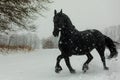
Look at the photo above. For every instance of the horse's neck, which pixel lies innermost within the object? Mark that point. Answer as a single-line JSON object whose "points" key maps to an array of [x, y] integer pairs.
{"points": [[68, 31]]}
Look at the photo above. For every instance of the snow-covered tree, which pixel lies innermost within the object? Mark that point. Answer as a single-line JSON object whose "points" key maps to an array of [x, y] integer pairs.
{"points": [[24, 40], [20, 12]]}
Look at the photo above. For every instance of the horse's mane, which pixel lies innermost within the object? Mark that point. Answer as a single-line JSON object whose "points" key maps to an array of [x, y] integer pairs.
{"points": [[69, 22]]}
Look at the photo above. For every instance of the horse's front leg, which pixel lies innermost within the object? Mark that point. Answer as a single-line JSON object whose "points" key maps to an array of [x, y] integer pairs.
{"points": [[67, 61], [58, 68]]}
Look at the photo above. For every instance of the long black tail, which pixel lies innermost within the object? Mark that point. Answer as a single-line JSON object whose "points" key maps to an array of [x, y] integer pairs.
{"points": [[111, 46]]}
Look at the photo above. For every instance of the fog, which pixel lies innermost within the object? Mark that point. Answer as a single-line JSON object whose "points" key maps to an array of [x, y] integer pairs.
{"points": [[84, 14]]}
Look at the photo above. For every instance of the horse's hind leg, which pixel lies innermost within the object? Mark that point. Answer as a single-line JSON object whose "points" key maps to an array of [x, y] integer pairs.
{"points": [[85, 65], [58, 68], [102, 56], [67, 61]]}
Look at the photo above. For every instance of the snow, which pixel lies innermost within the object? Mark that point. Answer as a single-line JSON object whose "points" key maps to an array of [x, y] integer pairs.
{"points": [[60, 42], [76, 48], [39, 65]]}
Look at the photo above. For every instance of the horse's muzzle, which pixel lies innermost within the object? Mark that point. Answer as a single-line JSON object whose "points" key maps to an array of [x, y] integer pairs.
{"points": [[55, 34]]}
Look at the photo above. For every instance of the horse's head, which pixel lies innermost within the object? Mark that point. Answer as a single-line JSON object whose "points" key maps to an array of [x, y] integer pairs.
{"points": [[58, 22], [61, 21]]}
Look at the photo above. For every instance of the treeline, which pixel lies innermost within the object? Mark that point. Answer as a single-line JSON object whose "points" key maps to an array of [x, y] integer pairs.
{"points": [[17, 41], [113, 32]]}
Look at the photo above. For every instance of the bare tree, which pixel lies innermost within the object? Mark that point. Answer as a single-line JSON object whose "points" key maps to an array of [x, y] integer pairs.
{"points": [[20, 12]]}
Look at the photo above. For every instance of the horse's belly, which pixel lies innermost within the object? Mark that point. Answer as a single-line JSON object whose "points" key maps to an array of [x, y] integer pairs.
{"points": [[78, 53], [82, 50]]}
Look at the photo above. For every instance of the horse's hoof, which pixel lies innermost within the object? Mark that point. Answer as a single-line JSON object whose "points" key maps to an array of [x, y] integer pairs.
{"points": [[58, 69], [84, 71], [85, 68], [72, 71], [106, 68]]}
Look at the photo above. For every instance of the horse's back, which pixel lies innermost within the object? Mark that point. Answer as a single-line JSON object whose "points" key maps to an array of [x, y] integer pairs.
{"points": [[98, 36], [89, 39]]}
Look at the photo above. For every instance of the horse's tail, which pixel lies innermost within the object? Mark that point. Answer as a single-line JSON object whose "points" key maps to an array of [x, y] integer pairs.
{"points": [[111, 46]]}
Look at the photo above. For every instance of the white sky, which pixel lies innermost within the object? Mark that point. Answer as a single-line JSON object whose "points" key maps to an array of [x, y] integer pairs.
{"points": [[85, 14]]}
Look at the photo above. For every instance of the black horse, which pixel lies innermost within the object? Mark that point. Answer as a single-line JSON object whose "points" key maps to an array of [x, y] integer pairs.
{"points": [[74, 42]]}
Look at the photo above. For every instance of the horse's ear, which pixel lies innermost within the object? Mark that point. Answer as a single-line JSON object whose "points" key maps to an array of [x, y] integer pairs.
{"points": [[61, 11], [55, 12]]}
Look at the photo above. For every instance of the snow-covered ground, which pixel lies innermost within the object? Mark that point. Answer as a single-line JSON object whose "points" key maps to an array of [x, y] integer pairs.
{"points": [[39, 65]]}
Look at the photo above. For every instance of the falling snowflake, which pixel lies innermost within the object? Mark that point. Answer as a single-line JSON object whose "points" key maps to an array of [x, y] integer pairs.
{"points": [[76, 48], [80, 50], [60, 42]]}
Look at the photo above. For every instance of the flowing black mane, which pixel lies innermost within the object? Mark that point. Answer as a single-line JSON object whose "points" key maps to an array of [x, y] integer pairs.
{"points": [[67, 19], [74, 42]]}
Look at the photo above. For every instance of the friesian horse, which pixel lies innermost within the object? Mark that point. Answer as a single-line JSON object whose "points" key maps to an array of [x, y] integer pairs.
{"points": [[74, 42]]}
